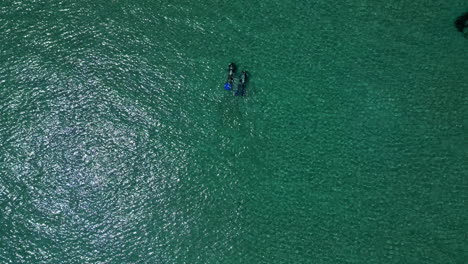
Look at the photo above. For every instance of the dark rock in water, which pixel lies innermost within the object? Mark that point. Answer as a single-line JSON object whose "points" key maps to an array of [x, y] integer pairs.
{"points": [[462, 22]]}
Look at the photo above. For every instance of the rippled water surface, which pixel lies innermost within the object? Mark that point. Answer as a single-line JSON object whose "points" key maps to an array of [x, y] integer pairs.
{"points": [[119, 144]]}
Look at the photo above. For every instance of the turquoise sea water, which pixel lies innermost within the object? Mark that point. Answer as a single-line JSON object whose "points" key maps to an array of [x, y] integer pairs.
{"points": [[119, 144]]}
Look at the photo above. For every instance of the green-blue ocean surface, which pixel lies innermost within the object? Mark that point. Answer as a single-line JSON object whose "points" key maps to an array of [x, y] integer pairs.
{"points": [[118, 143]]}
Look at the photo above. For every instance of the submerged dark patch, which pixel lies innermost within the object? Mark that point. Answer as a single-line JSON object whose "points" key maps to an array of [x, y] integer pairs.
{"points": [[462, 22]]}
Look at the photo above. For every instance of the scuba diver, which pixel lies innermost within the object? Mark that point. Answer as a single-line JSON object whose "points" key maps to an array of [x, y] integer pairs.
{"points": [[242, 83], [230, 78]]}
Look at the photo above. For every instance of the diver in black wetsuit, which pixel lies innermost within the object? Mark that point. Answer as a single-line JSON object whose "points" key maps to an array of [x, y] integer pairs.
{"points": [[230, 78], [242, 83]]}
